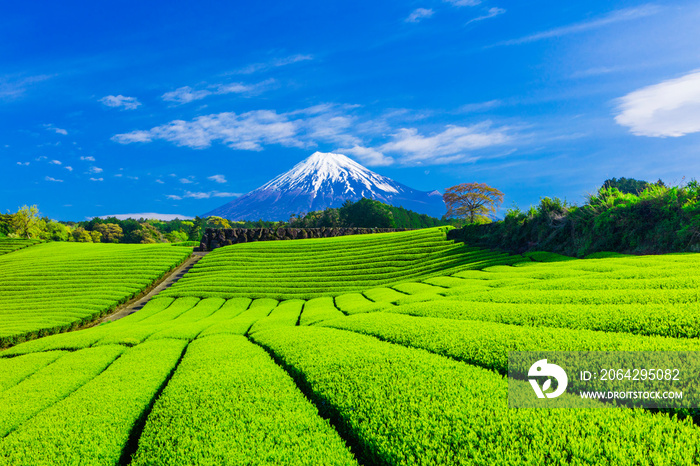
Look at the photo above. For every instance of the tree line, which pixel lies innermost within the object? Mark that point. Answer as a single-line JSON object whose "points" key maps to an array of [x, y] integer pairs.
{"points": [[624, 215], [27, 222]]}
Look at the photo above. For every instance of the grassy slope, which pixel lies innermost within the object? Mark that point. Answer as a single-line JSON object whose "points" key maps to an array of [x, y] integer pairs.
{"points": [[475, 318], [54, 287]]}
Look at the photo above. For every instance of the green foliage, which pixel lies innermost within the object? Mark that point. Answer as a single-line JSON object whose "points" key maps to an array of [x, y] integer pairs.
{"points": [[658, 219], [432, 392], [234, 405], [402, 405], [328, 266], [56, 287], [26, 222], [96, 420], [15, 244], [51, 384], [366, 213], [630, 185]]}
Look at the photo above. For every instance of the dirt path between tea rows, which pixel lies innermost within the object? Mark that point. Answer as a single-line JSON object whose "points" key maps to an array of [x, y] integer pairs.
{"points": [[168, 281]]}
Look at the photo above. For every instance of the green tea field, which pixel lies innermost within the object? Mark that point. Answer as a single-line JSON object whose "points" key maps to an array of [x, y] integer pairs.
{"points": [[53, 287], [384, 349]]}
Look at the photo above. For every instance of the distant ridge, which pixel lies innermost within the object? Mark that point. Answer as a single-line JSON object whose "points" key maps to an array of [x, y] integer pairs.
{"points": [[147, 216], [326, 180]]}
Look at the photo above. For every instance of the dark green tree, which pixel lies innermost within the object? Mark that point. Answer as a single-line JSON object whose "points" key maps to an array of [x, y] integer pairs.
{"points": [[366, 213]]}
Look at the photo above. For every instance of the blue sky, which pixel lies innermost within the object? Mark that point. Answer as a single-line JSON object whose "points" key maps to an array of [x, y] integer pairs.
{"points": [[174, 107]]}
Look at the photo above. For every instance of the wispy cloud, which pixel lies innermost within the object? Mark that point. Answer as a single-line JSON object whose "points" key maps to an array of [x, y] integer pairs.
{"points": [[613, 17], [96, 179], [50, 127], [207, 195], [186, 94], [174, 197], [14, 86], [479, 106], [275, 63], [492, 13], [89, 158], [224, 194], [186, 181], [668, 109], [48, 178], [23, 163], [450, 145], [248, 131], [160, 181], [464, 2], [95, 170], [217, 178], [69, 168], [55, 162], [419, 14], [120, 101], [368, 156], [330, 124]]}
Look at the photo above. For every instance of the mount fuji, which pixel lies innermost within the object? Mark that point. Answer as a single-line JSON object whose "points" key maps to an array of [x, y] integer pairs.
{"points": [[326, 180]]}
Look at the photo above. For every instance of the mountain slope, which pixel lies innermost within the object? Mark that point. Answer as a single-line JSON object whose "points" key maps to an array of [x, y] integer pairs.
{"points": [[326, 180]]}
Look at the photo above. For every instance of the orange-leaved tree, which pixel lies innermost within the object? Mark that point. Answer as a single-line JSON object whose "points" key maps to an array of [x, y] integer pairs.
{"points": [[472, 201]]}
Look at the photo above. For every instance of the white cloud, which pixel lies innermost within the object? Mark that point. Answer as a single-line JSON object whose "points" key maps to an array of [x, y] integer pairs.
{"points": [[202, 195], [480, 106], [120, 101], [368, 156], [69, 168], [450, 145], [14, 86], [118, 175], [220, 194], [48, 178], [95, 170], [184, 95], [186, 181], [51, 127], [160, 182], [328, 123], [615, 16], [88, 158], [187, 94], [133, 177], [198, 195], [248, 131], [492, 13], [419, 14], [23, 163], [96, 179], [217, 178], [256, 67], [668, 109], [464, 2], [55, 162]]}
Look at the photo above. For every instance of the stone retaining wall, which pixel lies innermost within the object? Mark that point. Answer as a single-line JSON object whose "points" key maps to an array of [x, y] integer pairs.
{"points": [[215, 237]]}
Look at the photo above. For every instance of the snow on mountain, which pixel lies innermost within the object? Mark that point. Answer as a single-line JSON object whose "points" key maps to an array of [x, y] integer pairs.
{"points": [[326, 180]]}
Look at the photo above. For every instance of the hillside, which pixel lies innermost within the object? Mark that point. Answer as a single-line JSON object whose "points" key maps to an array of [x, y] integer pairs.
{"points": [[378, 349]]}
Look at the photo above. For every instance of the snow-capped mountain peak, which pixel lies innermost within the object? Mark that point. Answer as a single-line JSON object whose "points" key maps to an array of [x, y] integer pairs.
{"points": [[323, 168], [325, 180]]}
